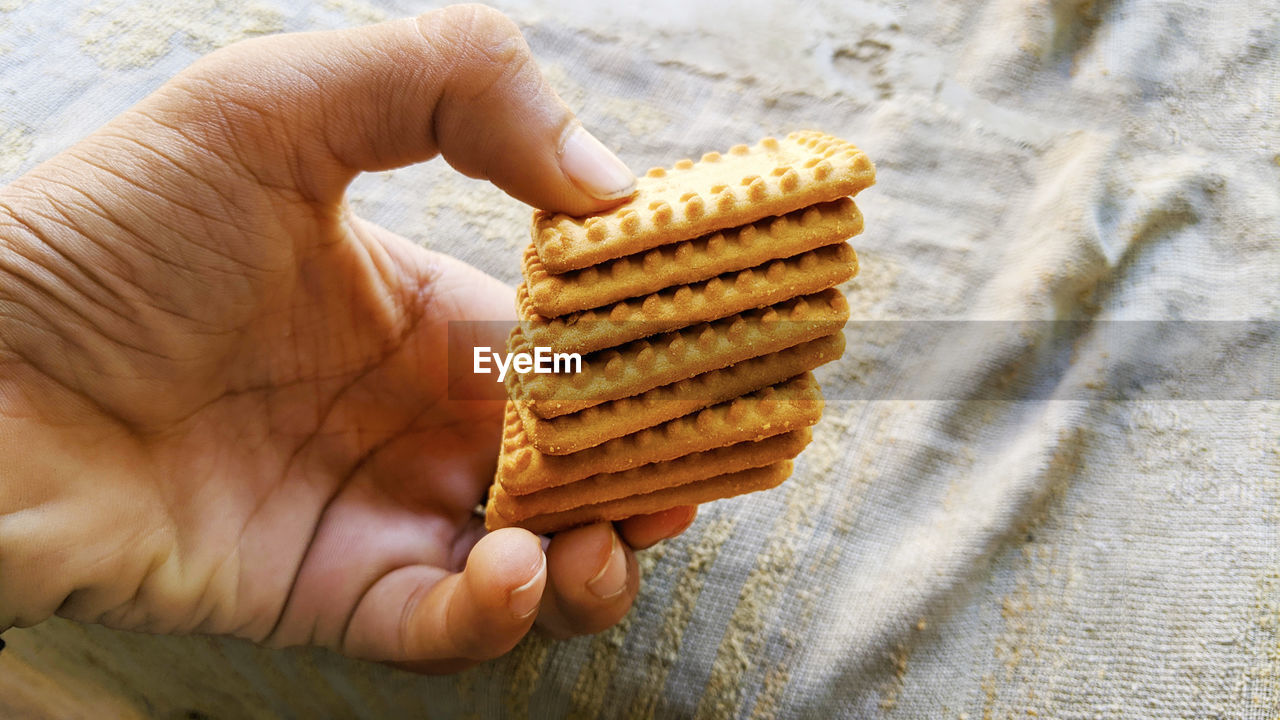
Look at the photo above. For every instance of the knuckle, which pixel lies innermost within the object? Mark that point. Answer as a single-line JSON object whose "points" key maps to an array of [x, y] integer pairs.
{"points": [[484, 47], [476, 25], [233, 61]]}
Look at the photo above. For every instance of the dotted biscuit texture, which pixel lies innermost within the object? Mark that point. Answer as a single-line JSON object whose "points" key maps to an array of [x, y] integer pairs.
{"points": [[634, 368], [794, 404], [694, 493], [773, 177], [680, 306], [655, 476], [617, 418], [689, 261], [700, 307]]}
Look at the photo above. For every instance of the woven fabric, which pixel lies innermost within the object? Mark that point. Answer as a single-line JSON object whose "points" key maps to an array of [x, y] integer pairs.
{"points": [[1059, 497]]}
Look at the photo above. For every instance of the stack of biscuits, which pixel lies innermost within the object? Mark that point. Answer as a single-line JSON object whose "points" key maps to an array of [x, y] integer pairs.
{"points": [[699, 308]]}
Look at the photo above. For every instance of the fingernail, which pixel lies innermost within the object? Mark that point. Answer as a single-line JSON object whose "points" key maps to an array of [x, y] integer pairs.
{"points": [[593, 167], [611, 581], [524, 600]]}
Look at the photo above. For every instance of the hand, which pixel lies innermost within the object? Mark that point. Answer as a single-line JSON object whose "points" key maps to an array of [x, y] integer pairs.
{"points": [[223, 401]]}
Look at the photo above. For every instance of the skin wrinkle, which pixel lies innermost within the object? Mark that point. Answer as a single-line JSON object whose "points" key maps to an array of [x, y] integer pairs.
{"points": [[45, 327], [366, 248], [204, 146], [230, 208], [53, 207], [101, 211], [139, 537], [234, 552], [236, 132], [233, 392], [270, 639], [121, 314], [140, 589], [322, 420], [200, 617], [451, 624], [406, 619], [81, 267], [142, 238], [347, 480], [414, 298], [123, 264], [316, 116], [324, 510], [350, 477], [305, 116], [378, 256], [51, 247], [501, 61], [72, 369], [147, 300], [40, 289], [222, 105], [400, 320], [496, 66], [240, 574], [65, 384], [23, 362]]}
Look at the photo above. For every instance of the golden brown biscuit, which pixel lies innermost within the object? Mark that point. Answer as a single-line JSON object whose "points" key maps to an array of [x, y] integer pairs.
{"points": [[774, 177], [659, 360], [652, 477], [694, 493], [713, 280], [794, 404], [616, 418], [685, 305], [690, 261]]}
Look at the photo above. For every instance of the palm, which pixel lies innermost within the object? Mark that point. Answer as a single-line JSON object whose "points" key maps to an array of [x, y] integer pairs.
{"points": [[321, 427]]}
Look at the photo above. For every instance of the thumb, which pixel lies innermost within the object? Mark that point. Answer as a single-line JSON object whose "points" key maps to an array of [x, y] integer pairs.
{"points": [[310, 111], [425, 622]]}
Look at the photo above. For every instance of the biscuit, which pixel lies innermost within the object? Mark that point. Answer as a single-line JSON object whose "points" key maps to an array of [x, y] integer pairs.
{"points": [[668, 358], [616, 418], [652, 477], [780, 408], [684, 305], [689, 261], [745, 184], [694, 493]]}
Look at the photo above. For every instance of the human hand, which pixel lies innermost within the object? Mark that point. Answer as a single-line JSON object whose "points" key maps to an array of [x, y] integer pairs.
{"points": [[224, 398]]}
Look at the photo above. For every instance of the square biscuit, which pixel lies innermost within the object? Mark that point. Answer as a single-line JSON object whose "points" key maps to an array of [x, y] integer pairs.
{"points": [[777, 409], [694, 493], [604, 422], [745, 184], [684, 305], [652, 477], [657, 360], [689, 261]]}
